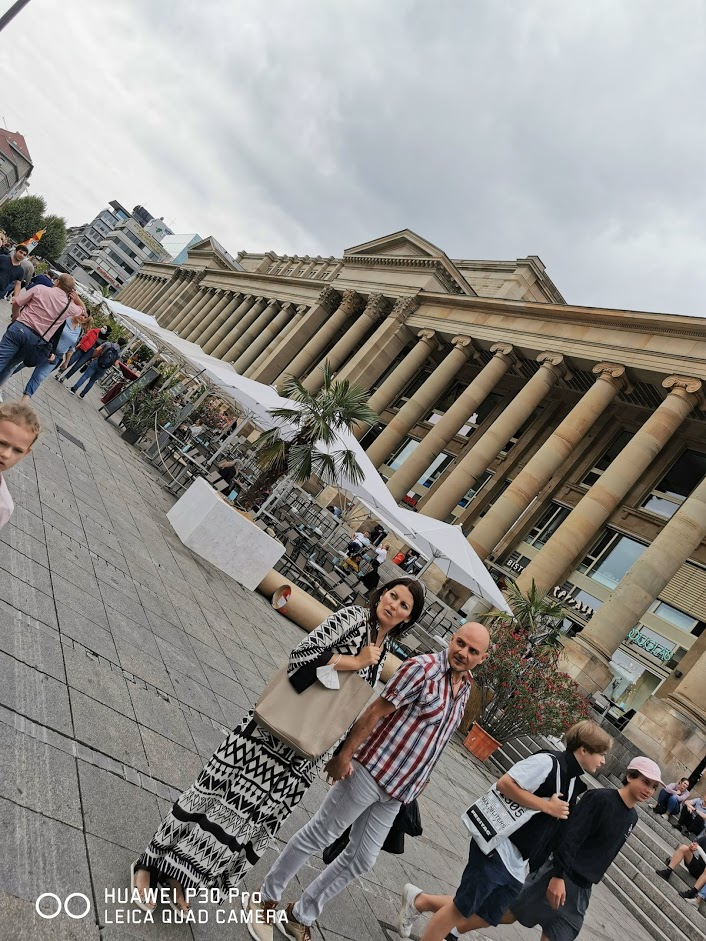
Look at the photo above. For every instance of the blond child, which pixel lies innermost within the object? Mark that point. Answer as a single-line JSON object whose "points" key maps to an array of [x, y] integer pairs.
{"points": [[19, 429]]}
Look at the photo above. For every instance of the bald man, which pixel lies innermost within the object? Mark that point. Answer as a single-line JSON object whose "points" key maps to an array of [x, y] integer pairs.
{"points": [[37, 315], [385, 761]]}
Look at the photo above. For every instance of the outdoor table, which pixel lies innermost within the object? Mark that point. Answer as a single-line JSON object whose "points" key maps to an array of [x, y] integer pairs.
{"points": [[127, 372]]}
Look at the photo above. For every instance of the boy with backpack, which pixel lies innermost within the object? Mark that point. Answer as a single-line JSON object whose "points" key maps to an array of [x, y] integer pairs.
{"points": [[104, 357], [532, 792]]}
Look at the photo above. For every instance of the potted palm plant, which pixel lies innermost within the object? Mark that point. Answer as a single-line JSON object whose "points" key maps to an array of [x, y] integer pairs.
{"points": [[518, 690], [294, 450]]}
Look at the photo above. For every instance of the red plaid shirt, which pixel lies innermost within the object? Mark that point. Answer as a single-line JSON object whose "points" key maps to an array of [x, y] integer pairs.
{"points": [[404, 746]]}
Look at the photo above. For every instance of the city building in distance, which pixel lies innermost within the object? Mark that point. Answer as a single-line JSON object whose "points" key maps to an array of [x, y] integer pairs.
{"points": [[15, 165]]}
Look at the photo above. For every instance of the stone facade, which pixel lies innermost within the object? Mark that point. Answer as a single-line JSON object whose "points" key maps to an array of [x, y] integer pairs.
{"points": [[568, 442]]}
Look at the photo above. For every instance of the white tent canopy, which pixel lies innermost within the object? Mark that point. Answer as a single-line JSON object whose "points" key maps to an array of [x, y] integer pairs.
{"points": [[441, 542]]}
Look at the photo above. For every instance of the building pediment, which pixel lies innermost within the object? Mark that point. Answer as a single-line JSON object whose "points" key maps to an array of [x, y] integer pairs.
{"points": [[208, 253], [406, 249]]}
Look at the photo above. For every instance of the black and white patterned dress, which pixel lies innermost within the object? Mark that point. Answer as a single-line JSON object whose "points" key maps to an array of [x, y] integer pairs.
{"points": [[220, 826]]}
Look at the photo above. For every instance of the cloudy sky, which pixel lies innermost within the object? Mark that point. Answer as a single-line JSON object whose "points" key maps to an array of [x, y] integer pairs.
{"points": [[495, 129]]}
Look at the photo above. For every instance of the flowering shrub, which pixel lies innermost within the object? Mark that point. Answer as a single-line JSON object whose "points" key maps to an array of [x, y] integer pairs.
{"points": [[523, 692]]}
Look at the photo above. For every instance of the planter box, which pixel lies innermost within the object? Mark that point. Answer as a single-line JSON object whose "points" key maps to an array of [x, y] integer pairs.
{"points": [[211, 528]]}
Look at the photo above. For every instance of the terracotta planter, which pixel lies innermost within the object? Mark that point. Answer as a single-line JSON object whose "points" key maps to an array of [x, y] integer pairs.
{"points": [[480, 743]]}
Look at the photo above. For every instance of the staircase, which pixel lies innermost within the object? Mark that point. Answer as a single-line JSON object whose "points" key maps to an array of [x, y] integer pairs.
{"points": [[632, 878]]}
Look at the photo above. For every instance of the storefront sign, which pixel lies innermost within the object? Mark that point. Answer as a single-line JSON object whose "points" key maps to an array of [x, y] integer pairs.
{"points": [[561, 594], [649, 645]]}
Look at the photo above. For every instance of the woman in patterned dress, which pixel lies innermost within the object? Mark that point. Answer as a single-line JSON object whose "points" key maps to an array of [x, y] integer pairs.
{"points": [[220, 826]]}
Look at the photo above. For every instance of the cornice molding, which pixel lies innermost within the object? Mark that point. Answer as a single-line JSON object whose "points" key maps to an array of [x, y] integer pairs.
{"points": [[402, 261]]}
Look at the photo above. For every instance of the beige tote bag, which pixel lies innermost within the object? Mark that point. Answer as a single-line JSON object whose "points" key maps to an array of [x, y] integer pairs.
{"points": [[311, 722]]}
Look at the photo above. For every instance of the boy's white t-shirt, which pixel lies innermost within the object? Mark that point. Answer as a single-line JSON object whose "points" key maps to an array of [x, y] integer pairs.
{"points": [[7, 504], [528, 774]]}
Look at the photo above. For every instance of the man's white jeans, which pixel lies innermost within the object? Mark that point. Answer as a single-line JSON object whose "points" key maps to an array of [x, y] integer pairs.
{"points": [[357, 800]]}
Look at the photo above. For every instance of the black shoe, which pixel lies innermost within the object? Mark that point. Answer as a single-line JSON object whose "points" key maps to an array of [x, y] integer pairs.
{"points": [[689, 894], [664, 873], [72, 390], [659, 809], [677, 825]]}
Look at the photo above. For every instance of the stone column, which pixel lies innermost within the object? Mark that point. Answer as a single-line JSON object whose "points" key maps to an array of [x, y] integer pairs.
{"points": [[143, 284], [391, 388], [208, 330], [689, 694], [375, 308], [348, 309], [201, 298], [298, 313], [267, 336], [177, 283], [170, 286], [420, 403], [129, 290], [183, 305], [366, 366], [445, 497], [250, 351], [185, 323], [197, 325], [170, 310], [231, 348], [152, 302], [570, 541], [542, 466], [452, 421], [229, 325], [276, 363], [645, 581], [149, 295]]}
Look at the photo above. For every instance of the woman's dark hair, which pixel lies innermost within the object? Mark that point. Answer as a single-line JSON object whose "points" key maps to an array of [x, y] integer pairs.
{"points": [[417, 590]]}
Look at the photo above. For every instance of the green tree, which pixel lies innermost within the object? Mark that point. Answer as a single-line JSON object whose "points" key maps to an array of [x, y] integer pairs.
{"points": [[53, 242], [337, 405], [22, 217]]}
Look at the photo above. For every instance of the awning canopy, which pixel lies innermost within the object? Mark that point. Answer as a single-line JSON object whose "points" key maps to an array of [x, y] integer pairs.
{"points": [[442, 543]]}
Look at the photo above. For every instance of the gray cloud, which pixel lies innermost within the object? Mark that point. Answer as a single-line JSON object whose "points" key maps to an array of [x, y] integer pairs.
{"points": [[570, 131]]}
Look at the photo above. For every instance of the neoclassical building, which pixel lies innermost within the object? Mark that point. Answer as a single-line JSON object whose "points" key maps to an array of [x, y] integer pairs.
{"points": [[568, 442]]}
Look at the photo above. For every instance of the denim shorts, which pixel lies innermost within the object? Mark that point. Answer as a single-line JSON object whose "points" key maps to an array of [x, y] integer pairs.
{"points": [[487, 889], [532, 908]]}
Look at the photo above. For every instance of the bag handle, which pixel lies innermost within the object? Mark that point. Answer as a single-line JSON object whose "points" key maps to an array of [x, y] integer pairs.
{"points": [[55, 320]]}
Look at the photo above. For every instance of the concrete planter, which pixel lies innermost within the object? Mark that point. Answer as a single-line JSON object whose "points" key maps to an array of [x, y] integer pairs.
{"points": [[211, 528]]}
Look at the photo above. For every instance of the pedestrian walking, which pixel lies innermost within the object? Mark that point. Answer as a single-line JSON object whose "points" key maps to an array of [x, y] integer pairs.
{"points": [[385, 761], [85, 348], [63, 341], [105, 356], [37, 315], [371, 579], [548, 784], [557, 896], [220, 826], [19, 429], [11, 271]]}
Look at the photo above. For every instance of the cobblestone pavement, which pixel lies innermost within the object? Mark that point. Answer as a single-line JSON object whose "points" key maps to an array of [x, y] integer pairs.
{"points": [[123, 660]]}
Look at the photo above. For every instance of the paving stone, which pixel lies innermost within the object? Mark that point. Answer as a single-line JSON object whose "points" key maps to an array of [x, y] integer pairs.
{"points": [[123, 603], [71, 528], [199, 697], [39, 777], [34, 694], [86, 605], [206, 737], [40, 855], [181, 661], [146, 666], [107, 731], [136, 814], [160, 716], [24, 568], [90, 635], [227, 688], [113, 555], [95, 680], [31, 642], [21, 922], [24, 543], [171, 763], [28, 522], [19, 594]]}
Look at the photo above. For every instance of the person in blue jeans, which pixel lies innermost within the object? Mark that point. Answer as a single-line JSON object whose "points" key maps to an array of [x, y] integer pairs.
{"points": [[672, 797], [68, 335], [104, 357], [83, 352]]}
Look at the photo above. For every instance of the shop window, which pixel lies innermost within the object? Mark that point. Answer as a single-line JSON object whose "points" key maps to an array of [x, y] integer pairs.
{"points": [[435, 469], [547, 525], [606, 458], [676, 485], [612, 557], [684, 622]]}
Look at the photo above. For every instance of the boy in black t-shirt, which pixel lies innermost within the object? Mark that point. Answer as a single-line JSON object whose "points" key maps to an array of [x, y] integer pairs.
{"points": [[557, 896]]}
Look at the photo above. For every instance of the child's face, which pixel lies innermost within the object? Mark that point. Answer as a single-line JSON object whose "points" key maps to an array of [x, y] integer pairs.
{"points": [[642, 788], [15, 443]]}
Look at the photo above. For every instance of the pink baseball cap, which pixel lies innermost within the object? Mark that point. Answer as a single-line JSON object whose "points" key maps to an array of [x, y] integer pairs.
{"points": [[647, 768]]}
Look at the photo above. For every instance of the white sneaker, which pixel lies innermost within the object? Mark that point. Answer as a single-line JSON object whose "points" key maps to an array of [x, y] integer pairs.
{"points": [[408, 912]]}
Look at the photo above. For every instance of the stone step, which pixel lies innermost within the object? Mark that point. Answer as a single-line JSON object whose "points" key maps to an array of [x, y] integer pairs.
{"points": [[636, 852], [662, 827], [646, 888], [638, 911]]}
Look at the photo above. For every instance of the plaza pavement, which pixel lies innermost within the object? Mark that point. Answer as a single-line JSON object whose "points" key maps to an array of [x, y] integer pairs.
{"points": [[123, 660]]}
